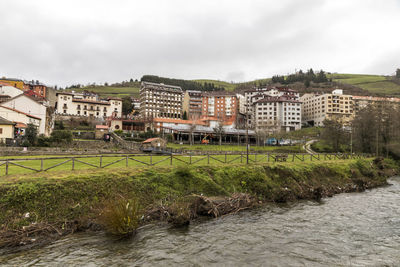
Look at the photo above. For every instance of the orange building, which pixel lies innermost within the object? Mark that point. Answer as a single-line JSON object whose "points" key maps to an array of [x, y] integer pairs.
{"points": [[13, 82], [37, 87], [221, 106]]}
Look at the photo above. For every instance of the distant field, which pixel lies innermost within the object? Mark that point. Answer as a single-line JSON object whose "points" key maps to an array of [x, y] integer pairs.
{"points": [[112, 91], [376, 84]]}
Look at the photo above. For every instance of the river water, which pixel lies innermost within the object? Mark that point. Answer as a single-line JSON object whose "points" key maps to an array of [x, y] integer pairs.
{"points": [[355, 229]]}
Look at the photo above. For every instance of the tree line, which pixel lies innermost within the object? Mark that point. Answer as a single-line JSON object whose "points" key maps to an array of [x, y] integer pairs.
{"points": [[184, 84], [304, 77], [375, 130]]}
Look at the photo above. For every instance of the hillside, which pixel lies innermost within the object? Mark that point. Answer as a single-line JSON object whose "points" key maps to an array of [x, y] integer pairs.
{"points": [[356, 84]]}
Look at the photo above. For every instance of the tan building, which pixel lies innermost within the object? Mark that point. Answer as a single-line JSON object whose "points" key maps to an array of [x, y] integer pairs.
{"points": [[192, 102], [160, 101], [335, 106], [87, 105], [20, 118], [6, 130], [361, 102]]}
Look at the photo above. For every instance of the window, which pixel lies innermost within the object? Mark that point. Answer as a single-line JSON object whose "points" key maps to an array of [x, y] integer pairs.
{"points": [[65, 111], [79, 112], [1, 130]]}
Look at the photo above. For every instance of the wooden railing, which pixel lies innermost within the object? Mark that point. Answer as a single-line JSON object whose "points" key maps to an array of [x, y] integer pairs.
{"points": [[98, 161]]}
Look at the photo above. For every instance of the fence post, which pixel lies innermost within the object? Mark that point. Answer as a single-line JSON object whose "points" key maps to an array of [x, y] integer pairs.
{"points": [[225, 157], [101, 161], [6, 167], [255, 157], [126, 160], [241, 157], [268, 157], [171, 160], [73, 163], [41, 165], [208, 158], [190, 158], [293, 157], [151, 159]]}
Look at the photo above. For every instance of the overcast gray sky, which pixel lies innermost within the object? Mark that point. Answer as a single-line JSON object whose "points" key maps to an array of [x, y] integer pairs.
{"points": [[69, 41]]}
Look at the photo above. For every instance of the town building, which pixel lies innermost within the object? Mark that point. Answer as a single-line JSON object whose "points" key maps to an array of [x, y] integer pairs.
{"points": [[335, 106], [19, 118], [8, 91], [36, 110], [87, 105], [6, 129], [160, 101], [37, 87], [276, 113], [192, 103], [221, 106], [361, 102], [13, 82]]}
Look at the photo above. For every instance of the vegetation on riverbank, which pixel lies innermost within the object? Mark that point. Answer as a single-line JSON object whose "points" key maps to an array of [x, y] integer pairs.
{"points": [[34, 208]]}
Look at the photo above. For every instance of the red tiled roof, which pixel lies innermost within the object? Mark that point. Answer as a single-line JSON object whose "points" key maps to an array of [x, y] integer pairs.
{"points": [[29, 115], [20, 125], [150, 140], [101, 127]]}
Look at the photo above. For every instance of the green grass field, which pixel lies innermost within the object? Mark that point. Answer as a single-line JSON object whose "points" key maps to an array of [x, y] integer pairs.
{"points": [[228, 86], [144, 161], [112, 91], [375, 84]]}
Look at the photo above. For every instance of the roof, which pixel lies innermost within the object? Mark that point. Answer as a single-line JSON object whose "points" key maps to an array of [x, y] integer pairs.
{"points": [[161, 85], [11, 79], [203, 129], [150, 140], [114, 98], [277, 99], [169, 120], [5, 84], [5, 122], [21, 112], [90, 101], [64, 93], [219, 93], [21, 125], [101, 127]]}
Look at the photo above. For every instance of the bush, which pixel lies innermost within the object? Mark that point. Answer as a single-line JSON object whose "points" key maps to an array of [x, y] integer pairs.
{"points": [[60, 136], [119, 132], [120, 216], [43, 141]]}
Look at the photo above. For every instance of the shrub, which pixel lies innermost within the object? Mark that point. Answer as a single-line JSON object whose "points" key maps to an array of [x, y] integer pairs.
{"points": [[60, 136], [121, 216], [43, 141]]}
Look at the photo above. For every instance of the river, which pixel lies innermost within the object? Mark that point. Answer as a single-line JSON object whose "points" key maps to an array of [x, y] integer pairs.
{"points": [[355, 229]]}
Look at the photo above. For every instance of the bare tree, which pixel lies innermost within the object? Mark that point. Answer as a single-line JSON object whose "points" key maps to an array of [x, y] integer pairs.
{"points": [[219, 131]]}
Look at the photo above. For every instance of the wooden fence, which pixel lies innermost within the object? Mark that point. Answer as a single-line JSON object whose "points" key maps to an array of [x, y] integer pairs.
{"points": [[98, 161]]}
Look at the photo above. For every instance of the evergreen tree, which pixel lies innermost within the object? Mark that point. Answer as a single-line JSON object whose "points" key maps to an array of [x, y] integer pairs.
{"points": [[185, 117], [398, 73]]}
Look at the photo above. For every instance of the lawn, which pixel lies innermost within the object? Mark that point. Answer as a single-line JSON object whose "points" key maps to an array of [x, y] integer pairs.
{"points": [[295, 148], [144, 161]]}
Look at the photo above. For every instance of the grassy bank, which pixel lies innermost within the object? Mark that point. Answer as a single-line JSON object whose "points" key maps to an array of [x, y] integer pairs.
{"points": [[66, 202]]}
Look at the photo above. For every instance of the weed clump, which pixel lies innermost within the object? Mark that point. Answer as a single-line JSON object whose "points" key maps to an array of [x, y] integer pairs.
{"points": [[120, 216]]}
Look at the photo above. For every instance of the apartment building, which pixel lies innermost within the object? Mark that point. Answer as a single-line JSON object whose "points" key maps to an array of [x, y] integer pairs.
{"points": [[361, 102], [335, 106], [37, 87], [276, 113], [220, 105], [192, 103], [88, 105], [160, 101]]}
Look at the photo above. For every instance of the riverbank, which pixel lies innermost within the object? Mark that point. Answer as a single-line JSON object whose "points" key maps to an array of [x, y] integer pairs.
{"points": [[39, 208]]}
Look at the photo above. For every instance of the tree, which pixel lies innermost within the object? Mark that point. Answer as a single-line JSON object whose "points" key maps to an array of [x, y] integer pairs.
{"points": [[184, 116], [219, 130], [398, 73], [31, 134], [334, 134], [127, 105]]}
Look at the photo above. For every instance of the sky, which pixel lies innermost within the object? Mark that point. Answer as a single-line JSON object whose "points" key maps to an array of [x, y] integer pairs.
{"points": [[66, 42]]}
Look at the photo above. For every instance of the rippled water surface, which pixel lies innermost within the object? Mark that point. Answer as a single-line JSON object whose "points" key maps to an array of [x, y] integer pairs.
{"points": [[357, 229]]}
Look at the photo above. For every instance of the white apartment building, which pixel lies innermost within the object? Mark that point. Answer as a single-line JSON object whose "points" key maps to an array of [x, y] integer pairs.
{"points": [[87, 105], [160, 101], [276, 113], [317, 108]]}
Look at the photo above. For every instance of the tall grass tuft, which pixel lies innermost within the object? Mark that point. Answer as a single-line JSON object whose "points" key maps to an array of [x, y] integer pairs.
{"points": [[121, 216]]}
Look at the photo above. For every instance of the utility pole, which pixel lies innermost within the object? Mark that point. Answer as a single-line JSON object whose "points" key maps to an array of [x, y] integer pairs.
{"points": [[247, 133]]}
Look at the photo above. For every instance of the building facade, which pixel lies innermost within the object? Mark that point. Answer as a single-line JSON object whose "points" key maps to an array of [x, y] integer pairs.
{"points": [[335, 106], [6, 130], [276, 113], [220, 105], [87, 105], [160, 101], [192, 103], [20, 119]]}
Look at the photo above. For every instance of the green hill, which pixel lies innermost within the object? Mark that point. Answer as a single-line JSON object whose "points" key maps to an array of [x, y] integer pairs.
{"points": [[357, 84]]}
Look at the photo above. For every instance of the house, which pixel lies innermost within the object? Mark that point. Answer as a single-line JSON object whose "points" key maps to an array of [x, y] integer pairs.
{"points": [[32, 109], [87, 105], [19, 118], [6, 130], [8, 90], [153, 144]]}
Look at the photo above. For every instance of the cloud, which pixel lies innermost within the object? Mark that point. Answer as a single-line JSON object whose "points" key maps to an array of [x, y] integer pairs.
{"points": [[64, 42]]}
